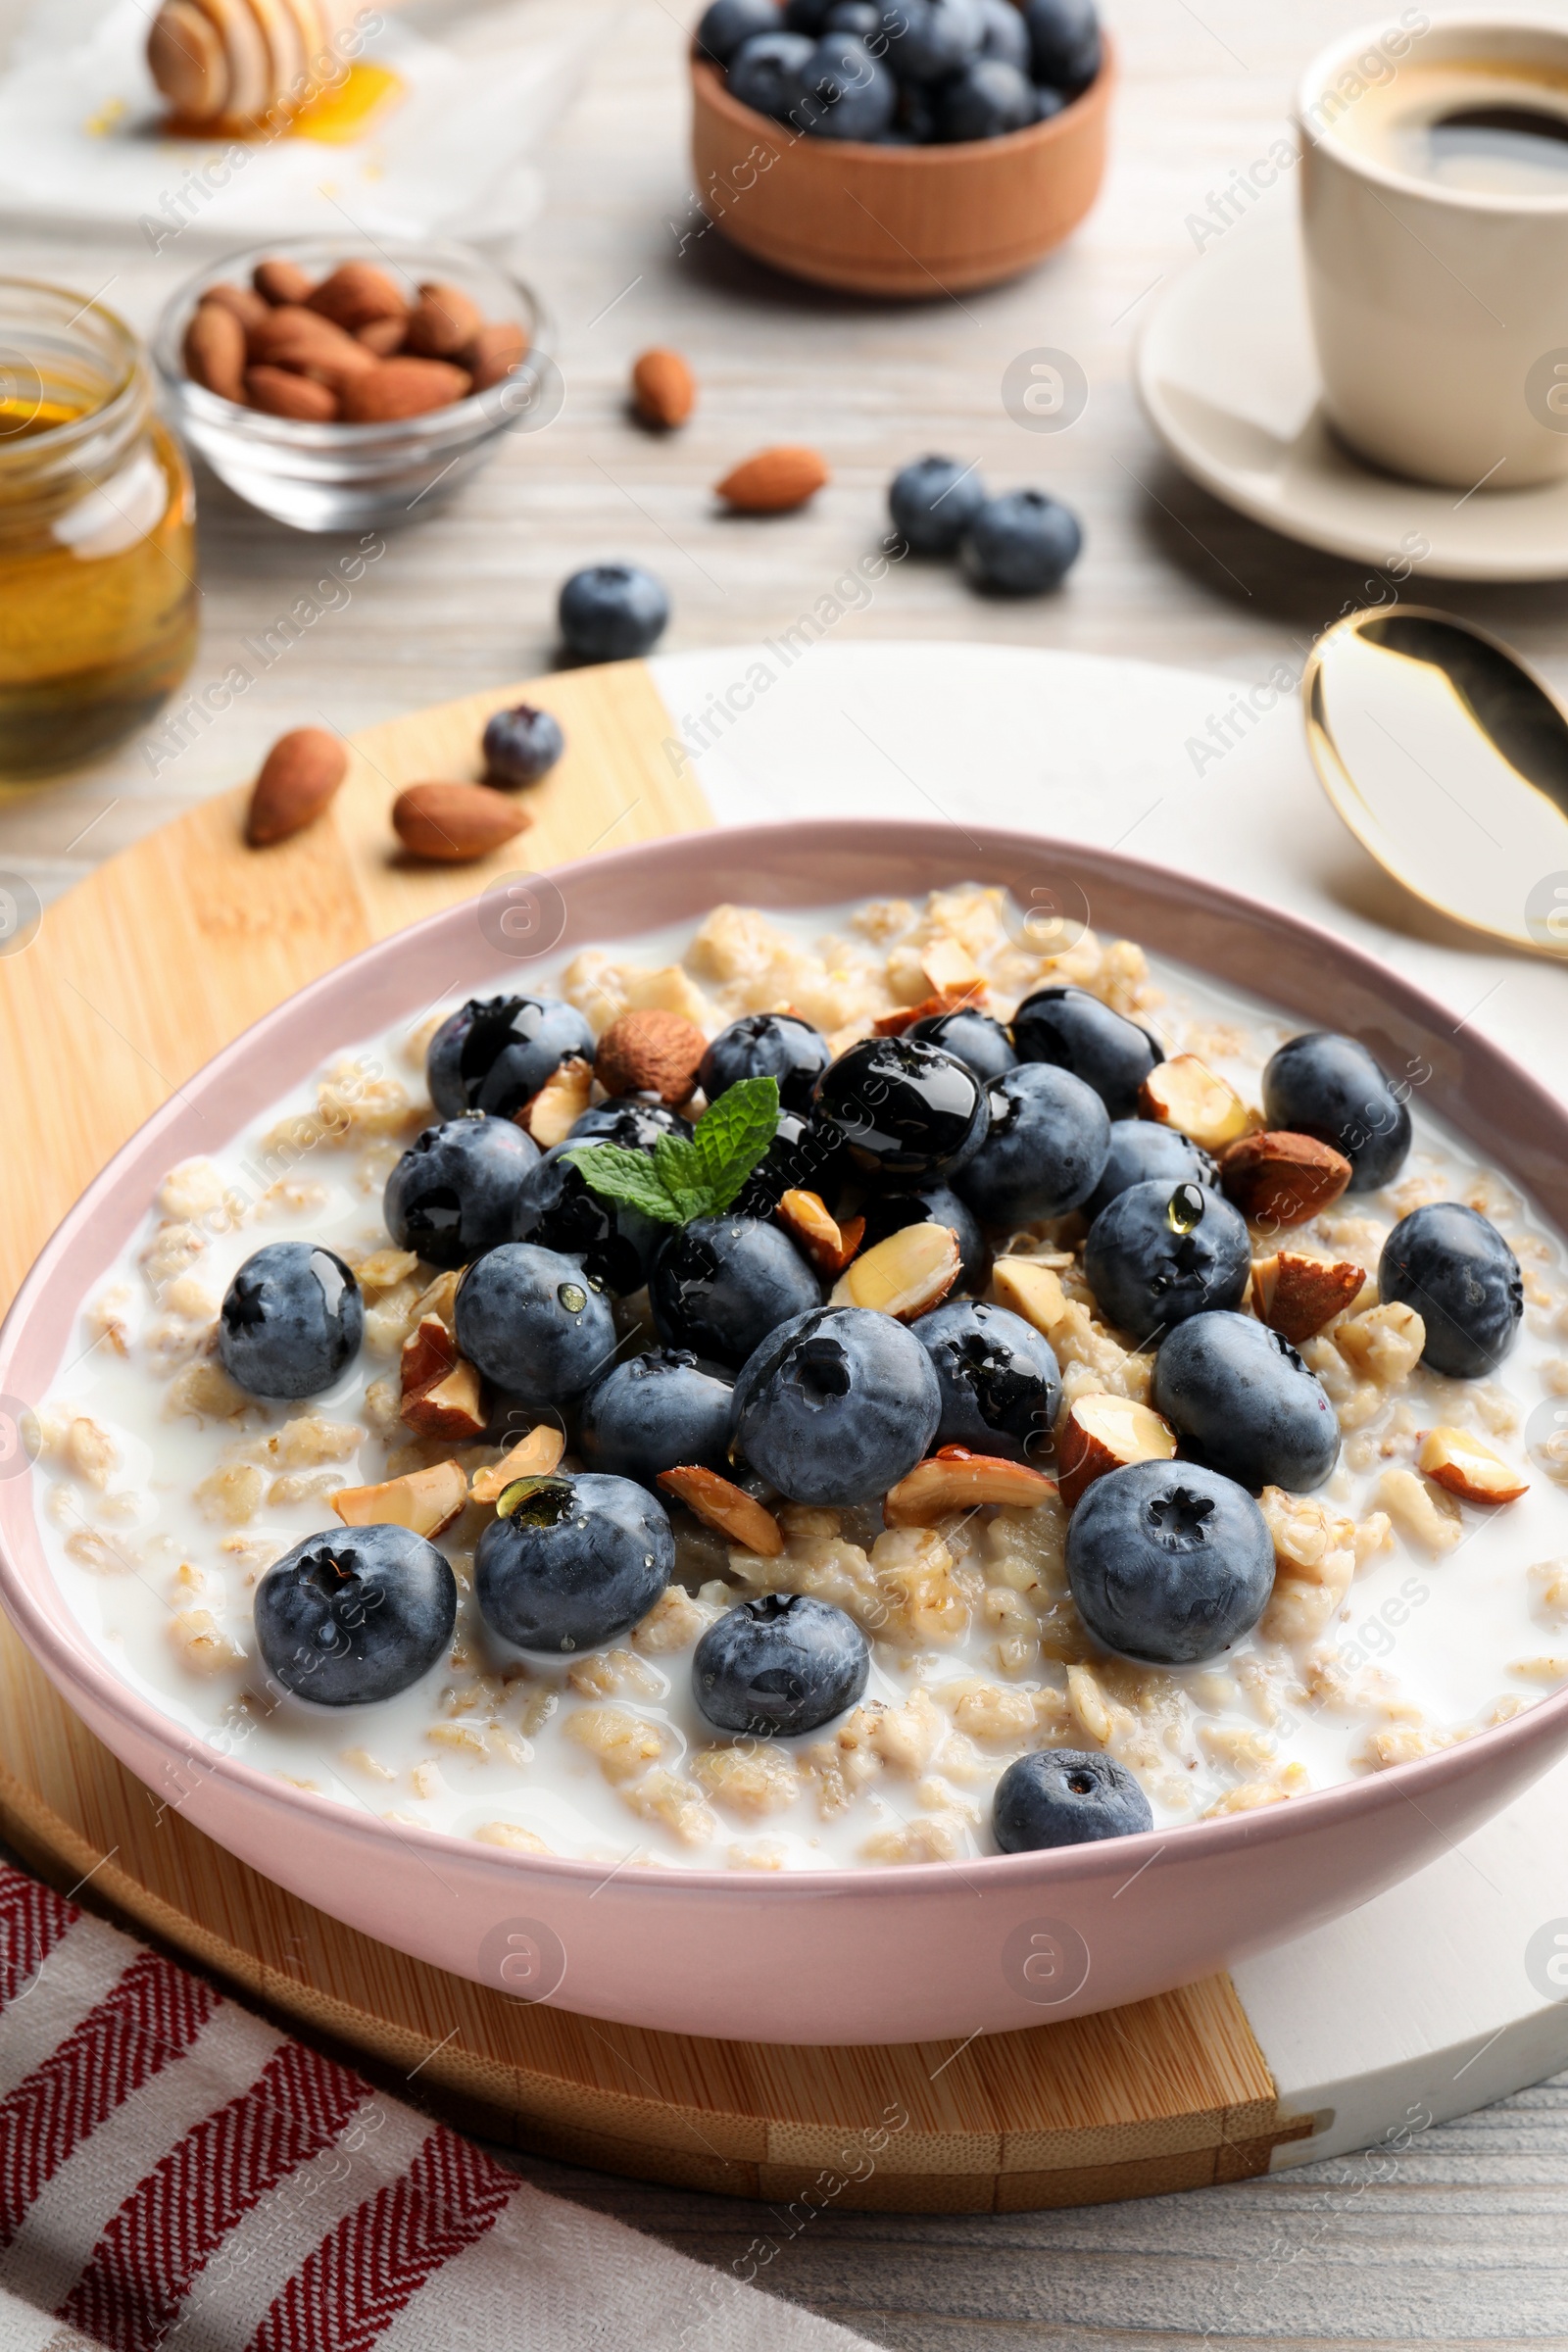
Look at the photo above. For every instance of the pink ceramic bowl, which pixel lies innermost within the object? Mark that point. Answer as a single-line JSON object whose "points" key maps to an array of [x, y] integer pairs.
{"points": [[836, 1956]]}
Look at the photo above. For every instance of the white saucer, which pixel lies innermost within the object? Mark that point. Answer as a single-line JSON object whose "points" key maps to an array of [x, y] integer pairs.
{"points": [[1229, 380]]}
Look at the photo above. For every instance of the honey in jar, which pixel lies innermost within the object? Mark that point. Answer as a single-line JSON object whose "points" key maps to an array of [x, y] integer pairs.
{"points": [[97, 534]]}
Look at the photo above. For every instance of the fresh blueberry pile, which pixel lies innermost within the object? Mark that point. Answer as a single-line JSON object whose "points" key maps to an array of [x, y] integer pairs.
{"points": [[769, 1386], [1019, 543], [904, 73]]}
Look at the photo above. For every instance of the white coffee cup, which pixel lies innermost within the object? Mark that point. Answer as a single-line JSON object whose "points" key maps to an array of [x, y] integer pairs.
{"points": [[1440, 310]]}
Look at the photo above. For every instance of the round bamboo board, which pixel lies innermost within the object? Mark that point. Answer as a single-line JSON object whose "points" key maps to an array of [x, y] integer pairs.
{"points": [[131, 984]]}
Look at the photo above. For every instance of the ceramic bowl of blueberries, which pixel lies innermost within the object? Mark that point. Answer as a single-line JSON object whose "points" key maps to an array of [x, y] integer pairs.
{"points": [[907, 1951], [902, 148]]}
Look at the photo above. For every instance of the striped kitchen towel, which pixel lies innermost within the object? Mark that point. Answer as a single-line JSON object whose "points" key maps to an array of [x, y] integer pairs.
{"points": [[173, 2172]]}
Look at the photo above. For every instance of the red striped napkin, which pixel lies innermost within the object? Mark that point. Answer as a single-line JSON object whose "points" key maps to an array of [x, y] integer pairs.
{"points": [[173, 2172]]}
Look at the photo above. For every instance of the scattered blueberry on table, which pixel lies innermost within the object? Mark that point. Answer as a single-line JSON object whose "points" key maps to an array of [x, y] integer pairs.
{"points": [[612, 612], [1020, 543], [522, 745]]}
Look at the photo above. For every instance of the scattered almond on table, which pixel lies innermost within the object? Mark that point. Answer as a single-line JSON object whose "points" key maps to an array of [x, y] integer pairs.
{"points": [[350, 350], [663, 389], [773, 482], [455, 824], [298, 779]]}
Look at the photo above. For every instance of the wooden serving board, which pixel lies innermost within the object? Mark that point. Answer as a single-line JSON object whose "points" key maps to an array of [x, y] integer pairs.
{"points": [[131, 983]]}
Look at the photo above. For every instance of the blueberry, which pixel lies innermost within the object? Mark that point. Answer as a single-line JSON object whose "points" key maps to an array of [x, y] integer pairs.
{"points": [[932, 501], [915, 122], [725, 23], [769, 74], [931, 1204], [973, 1038], [1456, 1270], [1160, 1252], [1021, 544], [837, 1406], [629, 1120], [1005, 34], [1244, 1402], [522, 745], [660, 1410], [557, 1209], [782, 1663], [1169, 1561], [495, 1053], [807, 16], [1141, 1149], [807, 1154], [862, 18], [1000, 1381], [766, 1045], [291, 1319], [613, 611], [355, 1616], [1045, 1152], [1064, 42], [929, 39], [850, 93], [984, 100], [1047, 103], [905, 1111], [721, 1284], [533, 1323], [454, 1193], [1074, 1030], [1063, 1796], [1329, 1086], [575, 1563]]}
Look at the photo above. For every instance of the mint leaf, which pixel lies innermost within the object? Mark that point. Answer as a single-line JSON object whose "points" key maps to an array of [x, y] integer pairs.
{"points": [[678, 1180], [629, 1176], [732, 1136]]}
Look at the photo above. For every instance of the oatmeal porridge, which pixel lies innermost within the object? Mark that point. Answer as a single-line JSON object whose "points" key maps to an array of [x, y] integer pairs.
{"points": [[827, 1390]]}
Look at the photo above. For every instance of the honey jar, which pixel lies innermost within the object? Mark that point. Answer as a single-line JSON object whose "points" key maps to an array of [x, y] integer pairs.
{"points": [[97, 534]]}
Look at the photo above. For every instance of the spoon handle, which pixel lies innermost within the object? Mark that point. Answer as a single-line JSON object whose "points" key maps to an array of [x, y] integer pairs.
{"points": [[239, 60]]}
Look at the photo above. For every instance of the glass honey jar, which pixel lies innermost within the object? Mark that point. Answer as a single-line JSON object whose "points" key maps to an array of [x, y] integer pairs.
{"points": [[97, 534]]}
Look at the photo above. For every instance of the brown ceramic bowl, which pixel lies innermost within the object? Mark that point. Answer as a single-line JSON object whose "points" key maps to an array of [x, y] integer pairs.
{"points": [[901, 222]]}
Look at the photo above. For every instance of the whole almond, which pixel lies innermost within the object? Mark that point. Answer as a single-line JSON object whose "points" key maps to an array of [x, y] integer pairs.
{"points": [[1283, 1178], [392, 389], [214, 351], [453, 824], [443, 322], [494, 352], [650, 1053], [279, 392], [383, 336], [356, 293], [292, 337], [299, 776], [663, 389], [245, 305], [281, 282], [774, 482]]}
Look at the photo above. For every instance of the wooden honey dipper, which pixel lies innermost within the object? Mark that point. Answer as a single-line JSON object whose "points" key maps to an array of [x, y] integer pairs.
{"points": [[238, 60]]}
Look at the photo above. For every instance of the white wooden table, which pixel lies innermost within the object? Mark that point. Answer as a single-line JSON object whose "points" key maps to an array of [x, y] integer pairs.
{"points": [[1459, 2238]]}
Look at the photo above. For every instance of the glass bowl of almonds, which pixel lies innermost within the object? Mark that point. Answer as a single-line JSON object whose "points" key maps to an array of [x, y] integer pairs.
{"points": [[342, 385]]}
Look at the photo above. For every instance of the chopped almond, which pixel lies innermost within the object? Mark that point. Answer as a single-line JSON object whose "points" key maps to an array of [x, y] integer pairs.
{"points": [[725, 1507], [1106, 1433], [550, 1115], [1283, 1178], [452, 1407], [1185, 1092], [534, 1456], [1030, 1290], [951, 969], [1467, 1468], [428, 1500], [1295, 1294], [428, 1354], [440, 1299], [956, 1479], [828, 1245], [907, 1275], [893, 1024]]}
